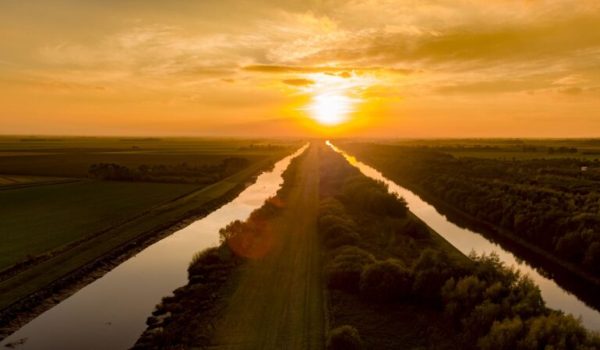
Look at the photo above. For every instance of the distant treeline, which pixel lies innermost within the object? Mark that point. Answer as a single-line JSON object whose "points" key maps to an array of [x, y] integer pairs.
{"points": [[552, 203], [492, 149], [178, 173], [38, 139], [381, 255], [261, 147]]}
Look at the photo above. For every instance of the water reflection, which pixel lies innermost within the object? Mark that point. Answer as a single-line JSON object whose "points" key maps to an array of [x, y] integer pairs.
{"points": [[467, 241], [110, 313]]}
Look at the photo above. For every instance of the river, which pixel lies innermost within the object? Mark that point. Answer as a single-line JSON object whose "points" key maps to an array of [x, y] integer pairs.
{"points": [[111, 312], [468, 241]]}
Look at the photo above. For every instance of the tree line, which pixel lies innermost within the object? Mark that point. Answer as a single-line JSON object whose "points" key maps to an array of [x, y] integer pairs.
{"points": [[552, 203], [376, 251], [177, 173]]}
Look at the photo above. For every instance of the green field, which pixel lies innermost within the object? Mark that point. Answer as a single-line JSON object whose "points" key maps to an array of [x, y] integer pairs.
{"points": [[510, 149], [56, 220], [41, 218], [72, 157]]}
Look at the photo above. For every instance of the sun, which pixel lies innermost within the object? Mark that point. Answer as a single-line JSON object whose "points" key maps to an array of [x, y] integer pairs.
{"points": [[330, 108], [334, 98]]}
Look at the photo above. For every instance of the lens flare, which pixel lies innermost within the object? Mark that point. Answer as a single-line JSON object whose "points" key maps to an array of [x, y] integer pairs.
{"points": [[331, 108]]}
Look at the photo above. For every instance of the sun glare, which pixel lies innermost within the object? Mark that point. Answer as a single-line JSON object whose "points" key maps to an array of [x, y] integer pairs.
{"points": [[334, 98], [331, 109]]}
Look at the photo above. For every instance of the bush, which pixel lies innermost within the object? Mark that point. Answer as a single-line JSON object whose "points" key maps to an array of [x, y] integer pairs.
{"points": [[414, 229], [592, 257], [338, 231], [431, 270], [503, 335], [210, 259], [555, 331], [344, 338], [346, 268], [385, 281], [341, 238], [372, 197], [331, 206]]}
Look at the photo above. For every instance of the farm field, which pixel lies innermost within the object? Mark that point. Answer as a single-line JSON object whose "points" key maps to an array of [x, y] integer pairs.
{"points": [[43, 218], [508, 149], [55, 226], [73, 156], [19, 180]]}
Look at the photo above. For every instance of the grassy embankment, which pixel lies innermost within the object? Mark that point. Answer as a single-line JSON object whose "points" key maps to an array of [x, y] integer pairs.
{"points": [[262, 287], [395, 284], [68, 229]]}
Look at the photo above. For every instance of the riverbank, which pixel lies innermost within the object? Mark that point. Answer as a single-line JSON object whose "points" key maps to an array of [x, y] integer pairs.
{"points": [[37, 289], [581, 283]]}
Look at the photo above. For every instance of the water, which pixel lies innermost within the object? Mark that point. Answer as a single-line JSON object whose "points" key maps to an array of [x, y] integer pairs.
{"points": [[110, 313], [467, 241]]}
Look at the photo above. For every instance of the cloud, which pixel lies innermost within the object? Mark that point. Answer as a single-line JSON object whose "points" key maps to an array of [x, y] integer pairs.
{"points": [[298, 82], [573, 90], [494, 86], [343, 71]]}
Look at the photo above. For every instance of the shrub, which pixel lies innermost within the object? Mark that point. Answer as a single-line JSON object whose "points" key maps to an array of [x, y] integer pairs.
{"points": [[431, 270], [503, 335], [346, 268], [338, 231], [331, 206], [414, 229], [344, 338], [372, 196], [460, 297], [341, 238], [555, 331], [592, 257], [385, 281], [209, 259]]}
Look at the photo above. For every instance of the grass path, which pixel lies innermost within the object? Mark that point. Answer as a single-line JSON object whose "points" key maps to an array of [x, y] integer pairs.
{"points": [[278, 302]]}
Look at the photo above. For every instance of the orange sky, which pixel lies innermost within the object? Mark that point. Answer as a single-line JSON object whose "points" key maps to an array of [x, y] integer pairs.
{"points": [[438, 68]]}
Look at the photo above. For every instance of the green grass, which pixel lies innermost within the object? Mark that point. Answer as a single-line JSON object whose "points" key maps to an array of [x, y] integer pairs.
{"points": [[509, 149], [157, 218], [12, 180], [47, 205], [38, 219], [72, 157]]}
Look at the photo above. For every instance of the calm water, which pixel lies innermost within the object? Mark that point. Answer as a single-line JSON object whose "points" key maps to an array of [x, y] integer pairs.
{"points": [[467, 241], [111, 312]]}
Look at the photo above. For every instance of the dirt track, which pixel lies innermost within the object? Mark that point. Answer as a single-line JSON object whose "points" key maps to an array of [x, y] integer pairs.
{"points": [[278, 303]]}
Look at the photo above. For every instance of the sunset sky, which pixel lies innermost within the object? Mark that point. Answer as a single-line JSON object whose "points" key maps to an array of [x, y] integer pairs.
{"points": [[439, 68]]}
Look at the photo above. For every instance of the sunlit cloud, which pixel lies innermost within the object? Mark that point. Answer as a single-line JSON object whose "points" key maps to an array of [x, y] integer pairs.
{"points": [[461, 66]]}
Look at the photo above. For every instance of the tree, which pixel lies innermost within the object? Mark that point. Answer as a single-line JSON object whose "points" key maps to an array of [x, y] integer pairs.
{"points": [[385, 281], [344, 338]]}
